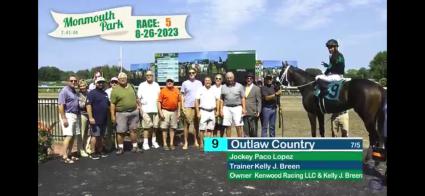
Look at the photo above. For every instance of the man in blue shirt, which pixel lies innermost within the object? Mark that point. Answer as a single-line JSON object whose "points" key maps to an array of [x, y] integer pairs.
{"points": [[69, 112], [97, 110]]}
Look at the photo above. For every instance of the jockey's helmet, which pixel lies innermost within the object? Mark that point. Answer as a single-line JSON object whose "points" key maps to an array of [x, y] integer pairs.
{"points": [[331, 43]]}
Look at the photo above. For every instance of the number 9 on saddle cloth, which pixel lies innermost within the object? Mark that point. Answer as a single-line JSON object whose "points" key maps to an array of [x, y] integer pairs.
{"points": [[327, 91]]}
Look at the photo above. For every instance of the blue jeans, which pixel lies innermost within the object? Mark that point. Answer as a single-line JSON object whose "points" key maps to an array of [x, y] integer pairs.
{"points": [[268, 121]]}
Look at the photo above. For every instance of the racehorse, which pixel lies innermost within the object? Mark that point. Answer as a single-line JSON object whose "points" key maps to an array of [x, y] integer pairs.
{"points": [[367, 98]]}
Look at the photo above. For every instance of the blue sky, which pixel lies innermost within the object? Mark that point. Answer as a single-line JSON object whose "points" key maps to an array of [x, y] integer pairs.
{"points": [[287, 29]]}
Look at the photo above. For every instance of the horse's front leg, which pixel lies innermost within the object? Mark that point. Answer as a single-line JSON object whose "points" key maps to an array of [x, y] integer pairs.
{"points": [[321, 118], [312, 118]]}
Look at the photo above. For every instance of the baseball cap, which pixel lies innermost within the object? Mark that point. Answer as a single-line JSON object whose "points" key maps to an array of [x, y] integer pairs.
{"points": [[250, 75], [100, 79], [268, 77], [114, 79]]}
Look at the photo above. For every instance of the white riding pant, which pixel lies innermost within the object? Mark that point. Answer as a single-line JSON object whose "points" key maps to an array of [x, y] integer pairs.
{"points": [[329, 78]]}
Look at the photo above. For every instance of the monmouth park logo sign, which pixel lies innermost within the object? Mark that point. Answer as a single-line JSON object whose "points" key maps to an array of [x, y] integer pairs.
{"points": [[117, 24]]}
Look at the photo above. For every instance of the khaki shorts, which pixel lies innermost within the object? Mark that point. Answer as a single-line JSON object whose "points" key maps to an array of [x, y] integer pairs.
{"points": [[127, 121], [150, 120], [170, 119], [341, 121], [190, 115]]}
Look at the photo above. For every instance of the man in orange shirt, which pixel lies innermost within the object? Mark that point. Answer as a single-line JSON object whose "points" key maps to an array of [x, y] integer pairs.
{"points": [[169, 105]]}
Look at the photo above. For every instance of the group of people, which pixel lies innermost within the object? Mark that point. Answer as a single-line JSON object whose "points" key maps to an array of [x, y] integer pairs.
{"points": [[212, 109]]}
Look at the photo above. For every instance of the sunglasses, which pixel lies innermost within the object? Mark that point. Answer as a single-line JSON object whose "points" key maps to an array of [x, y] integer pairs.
{"points": [[149, 75], [191, 72], [73, 80], [218, 78]]}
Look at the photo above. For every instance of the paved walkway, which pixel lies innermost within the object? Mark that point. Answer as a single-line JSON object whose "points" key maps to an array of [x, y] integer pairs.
{"points": [[158, 172]]}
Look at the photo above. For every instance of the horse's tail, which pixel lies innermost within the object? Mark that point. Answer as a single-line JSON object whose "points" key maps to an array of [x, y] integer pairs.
{"points": [[382, 115], [382, 120]]}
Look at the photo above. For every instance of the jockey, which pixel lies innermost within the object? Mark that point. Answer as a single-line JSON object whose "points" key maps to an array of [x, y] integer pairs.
{"points": [[335, 68]]}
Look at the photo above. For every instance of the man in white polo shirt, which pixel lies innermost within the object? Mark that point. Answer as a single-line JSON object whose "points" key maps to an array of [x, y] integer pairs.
{"points": [[148, 92], [206, 108]]}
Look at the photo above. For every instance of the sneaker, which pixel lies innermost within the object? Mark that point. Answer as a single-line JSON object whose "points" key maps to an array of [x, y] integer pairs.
{"points": [[103, 155], [119, 151], [172, 147], [94, 156], [136, 149], [83, 153], [145, 146], [155, 144]]}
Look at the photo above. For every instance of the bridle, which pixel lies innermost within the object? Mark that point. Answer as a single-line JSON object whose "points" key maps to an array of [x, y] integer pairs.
{"points": [[285, 77]]}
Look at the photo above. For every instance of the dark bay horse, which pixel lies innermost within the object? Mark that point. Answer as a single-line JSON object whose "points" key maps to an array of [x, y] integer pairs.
{"points": [[367, 98]]}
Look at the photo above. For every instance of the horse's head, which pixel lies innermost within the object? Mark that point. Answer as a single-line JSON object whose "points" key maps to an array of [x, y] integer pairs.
{"points": [[293, 76], [285, 75]]}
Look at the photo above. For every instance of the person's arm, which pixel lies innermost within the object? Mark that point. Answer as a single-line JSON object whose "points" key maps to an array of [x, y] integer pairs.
{"points": [[197, 108], [139, 104], [273, 96], [179, 108], [90, 114], [217, 105], [217, 108], [182, 93], [112, 106], [161, 115], [182, 98], [242, 91], [259, 102], [139, 91], [159, 106], [221, 104], [62, 115], [112, 113], [61, 108], [243, 106]]}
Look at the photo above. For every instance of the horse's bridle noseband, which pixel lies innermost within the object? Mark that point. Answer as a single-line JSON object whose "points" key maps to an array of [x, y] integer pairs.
{"points": [[285, 76]]}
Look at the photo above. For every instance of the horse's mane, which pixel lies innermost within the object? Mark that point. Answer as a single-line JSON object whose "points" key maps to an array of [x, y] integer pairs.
{"points": [[303, 73]]}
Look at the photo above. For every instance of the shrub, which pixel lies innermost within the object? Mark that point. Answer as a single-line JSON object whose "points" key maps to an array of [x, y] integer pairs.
{"points": [[45, 140]]}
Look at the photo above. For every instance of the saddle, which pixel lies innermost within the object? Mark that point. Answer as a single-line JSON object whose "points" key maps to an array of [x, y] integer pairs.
{"points": [[327, 94]]}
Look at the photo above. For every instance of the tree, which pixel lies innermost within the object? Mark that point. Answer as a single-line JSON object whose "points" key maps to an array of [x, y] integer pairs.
{"points": [[313, 71], [65, 75], [378, 66], [49, 73], [83, 74], [55, 74], [363, 73], [108, 71], [351, 73]]}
